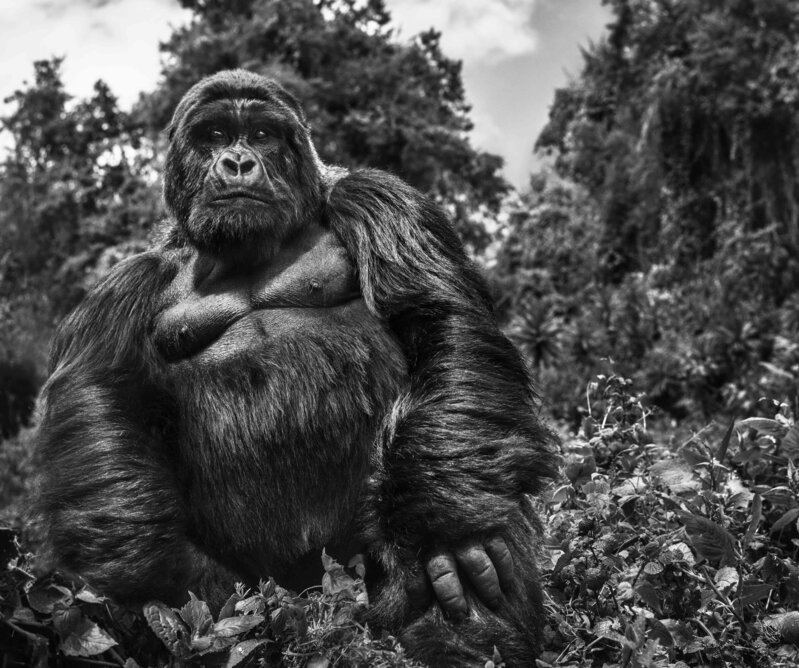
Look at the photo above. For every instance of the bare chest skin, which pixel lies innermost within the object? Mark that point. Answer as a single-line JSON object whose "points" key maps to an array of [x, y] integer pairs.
{"points": [[215, 308]]}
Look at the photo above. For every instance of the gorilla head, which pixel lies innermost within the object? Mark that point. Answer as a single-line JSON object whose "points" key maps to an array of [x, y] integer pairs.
{"points": [[241, 171]]}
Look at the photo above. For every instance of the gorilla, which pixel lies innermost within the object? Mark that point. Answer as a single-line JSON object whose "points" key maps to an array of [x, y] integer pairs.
{"points": [[305, 359]]}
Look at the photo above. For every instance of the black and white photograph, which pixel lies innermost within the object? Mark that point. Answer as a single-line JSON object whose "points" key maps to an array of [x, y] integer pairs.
{"points": [[399, 333]]}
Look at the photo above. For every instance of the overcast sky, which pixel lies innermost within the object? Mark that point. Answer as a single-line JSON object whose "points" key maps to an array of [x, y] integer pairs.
{"points": [[515, 53]]}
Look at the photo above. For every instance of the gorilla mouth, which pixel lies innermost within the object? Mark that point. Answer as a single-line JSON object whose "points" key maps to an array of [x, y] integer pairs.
{"points": [[239, 194]]}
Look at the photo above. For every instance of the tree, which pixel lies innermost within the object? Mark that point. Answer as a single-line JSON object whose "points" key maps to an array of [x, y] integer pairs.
{"points": [[683, 119], [71, 184], [683, 131]]}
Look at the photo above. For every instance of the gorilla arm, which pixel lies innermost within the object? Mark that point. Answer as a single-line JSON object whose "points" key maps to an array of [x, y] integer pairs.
{"points": [[108, 498], [462, 446]]}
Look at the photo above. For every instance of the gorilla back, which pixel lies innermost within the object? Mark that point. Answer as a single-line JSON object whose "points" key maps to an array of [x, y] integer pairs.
{"points": [[307, 360]]}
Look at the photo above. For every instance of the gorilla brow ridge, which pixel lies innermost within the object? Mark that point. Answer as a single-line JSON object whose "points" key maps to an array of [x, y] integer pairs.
{"points": [[235, 84]]}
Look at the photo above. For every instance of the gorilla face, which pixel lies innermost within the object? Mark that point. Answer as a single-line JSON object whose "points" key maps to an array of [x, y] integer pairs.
{"points": [[242, 174]]}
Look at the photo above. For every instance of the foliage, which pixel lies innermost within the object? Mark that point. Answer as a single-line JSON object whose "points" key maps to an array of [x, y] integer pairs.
{"points": [[674, 251], [663, 554], [44, 620], [70, 186], [688, 106], [674, 554], [74, 182]]}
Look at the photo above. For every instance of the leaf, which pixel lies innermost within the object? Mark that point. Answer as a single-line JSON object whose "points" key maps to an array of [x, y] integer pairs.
{"points": [[563, 493], [589, 426], [727, 578], [757, 516], [359, 564], [278, 620], [80, 636], [649, 595], [653, 568], [166, 624], [252, 605], [197, 615], [763, 426], [229, 609], [46, 598], [328, 563], [24, 615], [676, 475], [681, 632], [711, 541], [773, 368], [725, 443], [267, 588], [658, 631], [790, 442], [786, 624], [786, 518], [88, 596], [681, 552], [604, 628], [242, 651], [754, 592], [336, 580], [233, 626]]}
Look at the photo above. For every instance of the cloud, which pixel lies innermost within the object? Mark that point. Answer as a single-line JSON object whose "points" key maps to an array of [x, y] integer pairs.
{"points": [[491, 30], [113, 40]]}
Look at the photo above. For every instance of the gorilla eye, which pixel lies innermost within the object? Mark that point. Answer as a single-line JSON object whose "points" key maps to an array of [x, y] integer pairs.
{"points": [[261, 135], [213, 134]]}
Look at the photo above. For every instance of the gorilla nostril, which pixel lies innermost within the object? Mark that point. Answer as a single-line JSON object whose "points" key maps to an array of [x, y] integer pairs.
{"points": [[230, 165], [246, 166]]}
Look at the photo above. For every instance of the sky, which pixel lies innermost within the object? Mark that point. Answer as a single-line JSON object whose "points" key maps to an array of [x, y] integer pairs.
{"points": [[515, 53]]}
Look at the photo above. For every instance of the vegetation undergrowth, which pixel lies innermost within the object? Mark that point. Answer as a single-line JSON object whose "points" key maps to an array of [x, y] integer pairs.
{"points": [[660, 555], [673, 554]]}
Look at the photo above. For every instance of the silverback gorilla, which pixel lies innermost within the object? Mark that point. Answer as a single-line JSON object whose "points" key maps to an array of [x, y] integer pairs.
{"points": [[307, 359]]}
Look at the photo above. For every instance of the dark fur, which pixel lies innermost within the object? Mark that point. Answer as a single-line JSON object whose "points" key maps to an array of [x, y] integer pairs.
{"points": [[396, 423]]}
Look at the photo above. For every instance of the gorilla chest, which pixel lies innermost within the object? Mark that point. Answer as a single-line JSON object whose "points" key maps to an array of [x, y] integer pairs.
{"points": [[294, 334], [281, 377]]}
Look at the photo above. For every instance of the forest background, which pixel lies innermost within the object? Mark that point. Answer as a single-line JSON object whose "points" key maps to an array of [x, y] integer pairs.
{"points": [[649, 272]]}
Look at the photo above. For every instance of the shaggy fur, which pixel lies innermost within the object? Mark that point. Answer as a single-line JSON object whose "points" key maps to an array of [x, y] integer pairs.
{"points": [[344, 386]]}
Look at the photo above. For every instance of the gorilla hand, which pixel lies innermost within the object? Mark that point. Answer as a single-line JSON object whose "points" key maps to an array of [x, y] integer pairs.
{"points": [[487, 567]]}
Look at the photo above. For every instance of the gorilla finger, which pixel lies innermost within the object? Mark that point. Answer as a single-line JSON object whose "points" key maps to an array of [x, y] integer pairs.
{"points": [[420, 593], [443, 572], [481, 573], [502, 558]]}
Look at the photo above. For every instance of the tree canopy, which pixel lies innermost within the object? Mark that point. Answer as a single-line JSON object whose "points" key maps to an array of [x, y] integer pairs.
{"points": [[676, 147], [683, 118]]}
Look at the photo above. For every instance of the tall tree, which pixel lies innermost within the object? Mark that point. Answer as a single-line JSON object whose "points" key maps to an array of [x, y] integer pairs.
{"points": [[70, 184], [684, 122]]}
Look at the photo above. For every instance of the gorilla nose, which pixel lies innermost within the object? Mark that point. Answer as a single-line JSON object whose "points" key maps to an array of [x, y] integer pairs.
{"points": [[238, 168]]}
